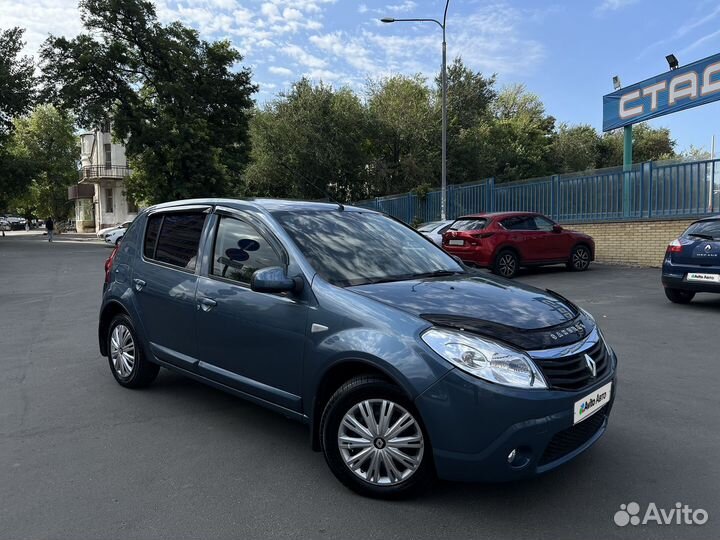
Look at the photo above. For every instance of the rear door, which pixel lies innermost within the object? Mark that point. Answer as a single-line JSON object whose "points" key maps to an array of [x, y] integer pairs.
{"points": [[164, 282], [553, 246], [526, 238]]}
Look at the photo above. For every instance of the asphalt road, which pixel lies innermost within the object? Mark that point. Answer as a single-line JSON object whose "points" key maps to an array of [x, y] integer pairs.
{"points": [[81, 457]]}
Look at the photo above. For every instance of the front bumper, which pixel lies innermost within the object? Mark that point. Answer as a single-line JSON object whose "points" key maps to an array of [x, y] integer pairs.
{"points": [[474, 425]]}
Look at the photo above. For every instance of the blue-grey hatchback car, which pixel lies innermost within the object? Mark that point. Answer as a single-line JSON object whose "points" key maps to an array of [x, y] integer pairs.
{"points": [[405, 364]]}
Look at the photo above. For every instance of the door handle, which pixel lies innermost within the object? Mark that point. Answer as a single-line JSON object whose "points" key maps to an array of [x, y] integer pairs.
{"points": [[139, 284], [206, 304]]}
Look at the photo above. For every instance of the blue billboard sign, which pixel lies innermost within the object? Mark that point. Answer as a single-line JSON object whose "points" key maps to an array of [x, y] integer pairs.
{"points": [[690, 86]]}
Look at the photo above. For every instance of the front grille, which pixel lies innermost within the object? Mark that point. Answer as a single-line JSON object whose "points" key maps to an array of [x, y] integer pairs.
{"points": [[572, 438], [572, 372]]}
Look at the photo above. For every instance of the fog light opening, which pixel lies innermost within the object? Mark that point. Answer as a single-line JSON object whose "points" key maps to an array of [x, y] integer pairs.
{"points": [[519, 457]]}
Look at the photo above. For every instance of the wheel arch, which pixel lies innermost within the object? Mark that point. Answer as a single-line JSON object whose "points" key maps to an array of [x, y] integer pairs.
{"points": [[108, 313], [586, 244], [333, 378]]}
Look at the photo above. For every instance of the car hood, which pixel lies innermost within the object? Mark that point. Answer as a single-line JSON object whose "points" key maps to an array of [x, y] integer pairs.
{"points": [[518, 314]]}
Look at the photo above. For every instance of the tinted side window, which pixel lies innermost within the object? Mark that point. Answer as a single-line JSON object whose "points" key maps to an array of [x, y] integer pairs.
{"points": [[151, 234], [179, 239], [543, 224], [519, 223], [469, 224], [240, 250]]}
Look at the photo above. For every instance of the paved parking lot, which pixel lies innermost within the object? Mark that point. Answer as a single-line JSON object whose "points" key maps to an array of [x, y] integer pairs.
{"points": [[81, 457]]}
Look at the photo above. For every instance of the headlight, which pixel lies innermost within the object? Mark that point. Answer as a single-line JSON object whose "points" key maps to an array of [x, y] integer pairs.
{"points": [[485, 359]]}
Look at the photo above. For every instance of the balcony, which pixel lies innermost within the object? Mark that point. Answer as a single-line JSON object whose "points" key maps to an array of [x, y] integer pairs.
{"points": [[91, 172], [81, 191]]}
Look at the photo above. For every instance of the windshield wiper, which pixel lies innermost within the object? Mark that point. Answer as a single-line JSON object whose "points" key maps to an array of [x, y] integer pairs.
{"points": [[419, 275], [703, 236]]}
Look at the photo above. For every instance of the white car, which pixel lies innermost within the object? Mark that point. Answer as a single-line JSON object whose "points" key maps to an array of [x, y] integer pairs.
{"points": [[435, 229], [114, 236], [103, 232]]}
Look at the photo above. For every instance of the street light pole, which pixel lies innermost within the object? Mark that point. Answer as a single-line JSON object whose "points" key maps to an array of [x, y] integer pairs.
{"points": [[443, 78]]}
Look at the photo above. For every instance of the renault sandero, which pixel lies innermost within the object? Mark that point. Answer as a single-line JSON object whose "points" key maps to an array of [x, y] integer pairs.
{"points": [[405, 364]]}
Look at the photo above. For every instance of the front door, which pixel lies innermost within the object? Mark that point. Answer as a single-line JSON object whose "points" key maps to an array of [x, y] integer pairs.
{"points": [[249, 340]]}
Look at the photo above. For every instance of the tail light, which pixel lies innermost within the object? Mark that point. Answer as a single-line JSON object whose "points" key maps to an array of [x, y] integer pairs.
{"points": [[674, 247], [482, 235], [109, 262]]}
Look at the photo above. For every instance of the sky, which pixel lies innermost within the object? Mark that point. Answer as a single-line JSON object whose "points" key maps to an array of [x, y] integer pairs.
{"points": [[566, 51]]}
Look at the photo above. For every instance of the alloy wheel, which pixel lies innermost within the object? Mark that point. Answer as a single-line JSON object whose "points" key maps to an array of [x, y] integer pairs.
{"points": [[122, 350], [506, 265], [381, 442], [580, 258]]}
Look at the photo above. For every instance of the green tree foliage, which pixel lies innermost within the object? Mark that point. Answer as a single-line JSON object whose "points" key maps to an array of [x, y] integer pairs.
{"points": [[178, 102], [649, 144], [404, 145], [312, 139], [46, 143], [470, 98], [17, 93], [520, 135], [575, 148]]}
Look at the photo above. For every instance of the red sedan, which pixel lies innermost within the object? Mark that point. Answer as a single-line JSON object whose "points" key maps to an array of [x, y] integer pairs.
{"points": [[506, 241]]}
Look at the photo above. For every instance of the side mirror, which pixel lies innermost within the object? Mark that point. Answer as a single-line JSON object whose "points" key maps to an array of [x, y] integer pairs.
{"points": [[557, 228], [274, 280]]}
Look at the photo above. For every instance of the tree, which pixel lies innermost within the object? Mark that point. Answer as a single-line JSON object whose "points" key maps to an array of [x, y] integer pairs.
{"points": [[309, 141], [470, 97], [575, 148], [405, 143], [16, 97], [178, 102], [45, 140], [649, 144], [519, 139]]}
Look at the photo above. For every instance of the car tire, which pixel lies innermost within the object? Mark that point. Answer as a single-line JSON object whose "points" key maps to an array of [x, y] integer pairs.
{"points": [[356, 431], [579, 259], [506, 264], [678, 296], [125, 355]]}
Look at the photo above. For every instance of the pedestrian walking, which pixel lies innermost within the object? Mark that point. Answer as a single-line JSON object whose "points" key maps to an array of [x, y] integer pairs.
{"points": [[50, 227]]}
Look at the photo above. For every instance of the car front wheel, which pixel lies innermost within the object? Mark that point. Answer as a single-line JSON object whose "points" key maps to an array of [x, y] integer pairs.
{"points": [[374, 441], [678, 296], [579, 259]]}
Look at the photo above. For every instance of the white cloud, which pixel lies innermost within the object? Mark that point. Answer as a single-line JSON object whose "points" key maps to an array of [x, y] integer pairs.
{"points": [[407, 5], [303, 57], [350, 50], [613, 5], [292, 14], [279, 70], [362, 8]]}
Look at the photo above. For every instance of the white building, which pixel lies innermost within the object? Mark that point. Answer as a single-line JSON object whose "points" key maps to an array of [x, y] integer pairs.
{"points": [[100, 198]]}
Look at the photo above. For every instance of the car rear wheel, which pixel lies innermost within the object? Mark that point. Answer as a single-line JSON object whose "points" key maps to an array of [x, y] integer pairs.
{"points": [[506, 264], [679, 296], [579, 259], [374, 441], [125, 356]]}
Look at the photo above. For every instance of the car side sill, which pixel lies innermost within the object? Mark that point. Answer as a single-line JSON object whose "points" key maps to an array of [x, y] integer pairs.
{"points": [[234, 391]]}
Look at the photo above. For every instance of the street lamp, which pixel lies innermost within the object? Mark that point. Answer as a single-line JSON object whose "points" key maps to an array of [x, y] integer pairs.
{"points": [[443, 191]]}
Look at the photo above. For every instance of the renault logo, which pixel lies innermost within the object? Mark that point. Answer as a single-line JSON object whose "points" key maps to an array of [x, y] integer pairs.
{"points": [[708, 247], [590, 363]]}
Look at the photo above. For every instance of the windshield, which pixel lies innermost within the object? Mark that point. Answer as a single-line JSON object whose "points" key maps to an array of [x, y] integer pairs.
{"points": [[469, 224], [354, 248], [709, 229]]}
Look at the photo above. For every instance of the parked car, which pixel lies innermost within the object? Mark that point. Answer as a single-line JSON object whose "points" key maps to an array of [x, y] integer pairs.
{"points": [[435, 229], [506, 241], [114, 236], [107, 230], [403, 363], [692, 262], [4, 225]]}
